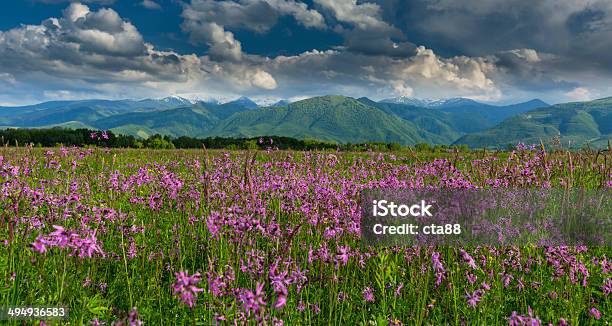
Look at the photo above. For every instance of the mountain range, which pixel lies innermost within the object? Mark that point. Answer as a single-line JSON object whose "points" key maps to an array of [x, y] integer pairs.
{"points": [[332, 118], [573, 124]]}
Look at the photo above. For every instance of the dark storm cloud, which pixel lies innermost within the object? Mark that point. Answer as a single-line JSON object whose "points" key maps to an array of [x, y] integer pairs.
{"points": [[578, 30]]}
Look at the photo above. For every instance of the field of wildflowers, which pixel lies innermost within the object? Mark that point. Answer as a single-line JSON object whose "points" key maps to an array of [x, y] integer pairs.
{"points": [[272, 237]]}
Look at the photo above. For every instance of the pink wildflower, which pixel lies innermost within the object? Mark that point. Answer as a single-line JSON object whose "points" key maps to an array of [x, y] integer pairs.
{"points": [[185, 287]]}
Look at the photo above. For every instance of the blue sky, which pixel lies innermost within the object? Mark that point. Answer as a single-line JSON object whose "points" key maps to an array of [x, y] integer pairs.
{"points": [[490, 50]]}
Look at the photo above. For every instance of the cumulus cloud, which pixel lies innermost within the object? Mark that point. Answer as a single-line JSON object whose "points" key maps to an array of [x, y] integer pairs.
{"points": [[150, 4], [222, 44], [369, 33], [364, 16], [86, 51], [96, 52], [206, 21], [424, 74], [307, 17], [256, 15], [263, 80], [579, 94], [401, 89]]}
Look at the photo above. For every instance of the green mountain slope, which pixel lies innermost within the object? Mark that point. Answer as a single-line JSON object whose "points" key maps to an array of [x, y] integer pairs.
{"points": [[470, 116], [187, 121], [462, 115], [223, 111], [453, 118], [577, 123], [435, 124], [331, 118], [85, 111]]}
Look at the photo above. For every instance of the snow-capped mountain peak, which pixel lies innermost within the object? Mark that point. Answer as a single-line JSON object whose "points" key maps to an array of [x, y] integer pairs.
{"points": [[428, 103], [177, 100]]}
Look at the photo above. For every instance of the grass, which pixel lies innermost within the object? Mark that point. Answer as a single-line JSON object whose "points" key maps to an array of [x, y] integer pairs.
{"points": [[246, 218]]}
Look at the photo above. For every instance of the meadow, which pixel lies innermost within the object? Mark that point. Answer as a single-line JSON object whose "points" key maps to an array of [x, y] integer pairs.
{"points": [[164, 237]]}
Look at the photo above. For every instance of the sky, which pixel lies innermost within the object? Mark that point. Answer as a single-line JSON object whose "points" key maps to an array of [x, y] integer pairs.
{"points": [[498, 51]]}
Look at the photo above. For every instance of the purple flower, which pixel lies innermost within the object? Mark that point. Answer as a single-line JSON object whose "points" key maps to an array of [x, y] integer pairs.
{"points": [[607, 286], [398, 290], [517, 320], [87, 246], [506, 278], [133, 318], [438, 267], [368, 294], [252, 301], [468, 259], [300, 307], [186, 289], [343, 254], [281, 301], [595, 313], [486, 286], [474, 298], [39, 245]]}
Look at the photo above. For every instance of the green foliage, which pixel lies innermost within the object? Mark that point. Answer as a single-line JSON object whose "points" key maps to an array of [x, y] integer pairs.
{"points": [[82, 137], [159, 142]]}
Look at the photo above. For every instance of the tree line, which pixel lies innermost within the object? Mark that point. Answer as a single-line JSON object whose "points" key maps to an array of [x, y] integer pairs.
{"points": [[52, 137]]}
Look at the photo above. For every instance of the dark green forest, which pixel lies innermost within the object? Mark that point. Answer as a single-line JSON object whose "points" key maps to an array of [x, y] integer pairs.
{"points": [[52, 137]]}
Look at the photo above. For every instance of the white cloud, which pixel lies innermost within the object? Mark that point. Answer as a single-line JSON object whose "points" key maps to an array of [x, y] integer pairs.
{"points": [[365, 15], [529, 55], [424, 74], [7, 78], [307, 17], [222, 44], [98, 52], [463, 74], [263, 80], [256, 15], [579, 94], [206, 21], [401, 89], [150, 4], [75, 11]]}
